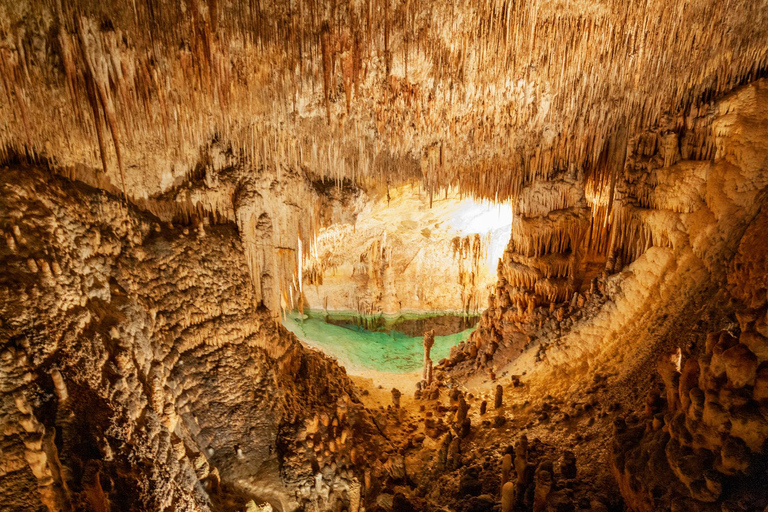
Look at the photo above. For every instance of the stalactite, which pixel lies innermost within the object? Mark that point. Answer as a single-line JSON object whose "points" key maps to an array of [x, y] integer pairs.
{"points": [[325, 39], [156, 89]]}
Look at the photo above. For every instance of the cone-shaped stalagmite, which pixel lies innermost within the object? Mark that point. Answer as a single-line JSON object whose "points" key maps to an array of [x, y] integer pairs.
{"points": [[396, 397], [521, 458], [462, 410], [507, 497], [442, 453], [454, 454], [506, 468]]}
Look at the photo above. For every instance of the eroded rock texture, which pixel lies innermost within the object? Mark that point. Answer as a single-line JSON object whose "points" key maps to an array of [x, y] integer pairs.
{"points": [[701, 442], [406, 251], [195, 150], [487, 95], [138, 373]]}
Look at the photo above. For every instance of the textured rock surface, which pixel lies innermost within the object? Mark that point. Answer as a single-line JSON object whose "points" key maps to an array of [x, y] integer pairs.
{"points": [[678, 220], [488, 95], [408, 252], [704, 444], [137, 370]]}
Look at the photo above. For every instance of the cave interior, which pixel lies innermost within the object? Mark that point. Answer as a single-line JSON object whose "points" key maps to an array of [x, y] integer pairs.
{"points": [[384, 255]]}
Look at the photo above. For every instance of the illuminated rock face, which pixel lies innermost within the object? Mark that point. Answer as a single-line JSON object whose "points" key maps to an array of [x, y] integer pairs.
{"points": [[489, 95], [407, 252], [670, 219], [707, 429]]}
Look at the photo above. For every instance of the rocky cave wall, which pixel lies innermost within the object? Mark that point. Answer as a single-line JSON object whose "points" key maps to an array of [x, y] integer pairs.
{"points": [[676, 204], [675, 338], [704, 428], [406, 252], [138, 373], [373, 94]]}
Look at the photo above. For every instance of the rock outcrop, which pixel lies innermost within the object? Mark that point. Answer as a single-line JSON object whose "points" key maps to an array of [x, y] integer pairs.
{"points": [[702, 443]]}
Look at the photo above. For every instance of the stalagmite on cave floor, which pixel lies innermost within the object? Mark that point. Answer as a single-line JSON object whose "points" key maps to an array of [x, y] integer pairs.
{"points": [[587, 180]]}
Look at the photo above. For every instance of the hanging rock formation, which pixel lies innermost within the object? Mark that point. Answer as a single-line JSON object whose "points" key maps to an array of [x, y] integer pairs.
{"points": [[561, 263]]}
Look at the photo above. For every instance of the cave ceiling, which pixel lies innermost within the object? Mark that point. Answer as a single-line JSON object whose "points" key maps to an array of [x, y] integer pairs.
{"points": [[487, 95]]}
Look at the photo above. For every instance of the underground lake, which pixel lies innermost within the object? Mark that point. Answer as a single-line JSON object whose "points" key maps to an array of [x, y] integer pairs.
{"points": [[390, 344]]}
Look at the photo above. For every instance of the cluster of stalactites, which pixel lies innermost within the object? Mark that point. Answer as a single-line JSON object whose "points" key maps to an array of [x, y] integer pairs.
{"points": [[541, 258], [362, 90], [542, 197], [559, 231], [470, 253]]}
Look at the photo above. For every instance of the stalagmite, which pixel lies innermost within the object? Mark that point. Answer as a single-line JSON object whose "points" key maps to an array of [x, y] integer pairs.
{"points": [[429, 341], [507, 497], [463, 409], [506, 466], [396, 397], [60, 386]]}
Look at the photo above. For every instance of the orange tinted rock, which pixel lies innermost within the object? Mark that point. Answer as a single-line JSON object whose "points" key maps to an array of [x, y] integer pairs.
{"points": [[760, 391], [671, 377], [757, 343], [748, 275], [749, 425], [740, 365], [716, 364], [689, 379], [734, 457]]}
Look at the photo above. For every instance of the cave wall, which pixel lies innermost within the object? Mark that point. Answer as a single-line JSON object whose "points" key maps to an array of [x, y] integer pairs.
{"points": [[613, 128], [132, 98], [673, 226], [139, 374], [406, 252], [700, 442]]}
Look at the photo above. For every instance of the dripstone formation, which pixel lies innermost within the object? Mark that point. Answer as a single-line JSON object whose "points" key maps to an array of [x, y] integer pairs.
{"points": [[178, 179], [138, 372]]}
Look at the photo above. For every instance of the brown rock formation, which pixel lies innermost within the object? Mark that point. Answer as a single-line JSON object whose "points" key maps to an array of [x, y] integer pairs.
{"points": [[709, 452], [137, 372]]}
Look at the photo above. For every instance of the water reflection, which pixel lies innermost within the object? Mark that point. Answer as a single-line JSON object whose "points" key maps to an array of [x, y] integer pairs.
{"points": [[410, 326]]}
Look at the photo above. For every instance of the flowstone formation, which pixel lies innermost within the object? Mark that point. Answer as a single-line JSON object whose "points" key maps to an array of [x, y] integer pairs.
{"points": [[685, 192], [701, 441]]}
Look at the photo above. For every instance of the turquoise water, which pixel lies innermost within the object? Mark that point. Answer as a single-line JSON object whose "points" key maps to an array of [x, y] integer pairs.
{"points": [[385, 349]]}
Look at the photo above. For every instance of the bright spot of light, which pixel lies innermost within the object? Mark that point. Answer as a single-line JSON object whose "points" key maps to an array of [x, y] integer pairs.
{"points": [[487, 219]]}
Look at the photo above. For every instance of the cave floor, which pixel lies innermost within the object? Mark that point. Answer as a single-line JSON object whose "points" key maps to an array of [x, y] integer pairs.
{"points": [[577, 416]]}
